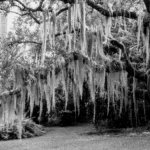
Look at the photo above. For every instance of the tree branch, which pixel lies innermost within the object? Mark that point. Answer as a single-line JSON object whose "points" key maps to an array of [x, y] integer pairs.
{"points": [[11, 12], [129, 68], [25, 8], [40, 5], [62, 10], [23, 42], [147, 4], [34, 17], [123, 13]]}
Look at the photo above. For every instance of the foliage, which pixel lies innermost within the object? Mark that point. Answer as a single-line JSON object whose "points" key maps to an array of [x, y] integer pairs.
{"points": [[30, 129]]}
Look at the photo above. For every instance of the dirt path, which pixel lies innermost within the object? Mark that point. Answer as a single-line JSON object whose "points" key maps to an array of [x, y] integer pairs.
{"points": [[75, 138]]}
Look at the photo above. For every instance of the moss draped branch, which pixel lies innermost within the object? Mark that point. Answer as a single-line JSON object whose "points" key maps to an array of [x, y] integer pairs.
{"points": [[107, 13], [129, 68], [123, 13]]}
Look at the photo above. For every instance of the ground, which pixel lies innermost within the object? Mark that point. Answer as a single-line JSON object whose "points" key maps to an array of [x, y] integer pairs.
{"points": [[78, 138]]}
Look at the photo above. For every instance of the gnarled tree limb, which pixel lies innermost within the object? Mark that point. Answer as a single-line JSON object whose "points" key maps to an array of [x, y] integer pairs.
{"points": [[147, 4], [129, 68], [123, 13]]}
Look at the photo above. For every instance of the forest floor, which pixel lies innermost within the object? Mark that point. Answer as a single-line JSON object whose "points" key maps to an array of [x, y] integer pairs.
{"points": [[81, 137]]}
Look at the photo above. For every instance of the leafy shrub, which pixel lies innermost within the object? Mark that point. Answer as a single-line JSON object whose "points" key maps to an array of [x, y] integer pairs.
{"points": [[29, 129]]}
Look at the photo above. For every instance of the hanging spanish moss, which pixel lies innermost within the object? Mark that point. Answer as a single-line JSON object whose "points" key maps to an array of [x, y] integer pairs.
{"points": [[134, 99], [83, 27], [108, 25], [147, 46], [117, 89], [44, 38], [140, 25]]}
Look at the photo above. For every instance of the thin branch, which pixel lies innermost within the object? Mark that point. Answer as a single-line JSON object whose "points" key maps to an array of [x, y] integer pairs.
{"points": [[62, 10], [23, 5], [17, 6], [23, 42], [28, 10], [40, 5], [9, 11], [34, 18], [25, 8]]}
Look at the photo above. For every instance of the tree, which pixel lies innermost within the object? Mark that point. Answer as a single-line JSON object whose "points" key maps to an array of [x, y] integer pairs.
{"points": [[84, 35]]}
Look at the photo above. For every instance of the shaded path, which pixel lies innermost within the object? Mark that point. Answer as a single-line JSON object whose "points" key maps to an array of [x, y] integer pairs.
{"points": [[75, 138]]}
